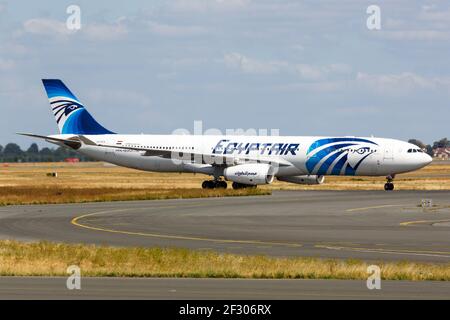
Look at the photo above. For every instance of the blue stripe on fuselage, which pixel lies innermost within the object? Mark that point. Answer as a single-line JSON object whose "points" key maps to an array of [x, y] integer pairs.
{"points": [[315, 159]]}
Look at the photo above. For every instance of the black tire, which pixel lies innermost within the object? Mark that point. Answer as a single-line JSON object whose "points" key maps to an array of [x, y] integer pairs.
{"points": [[211, 184], [222, 184], [208, 184], [236, 185], [389, 186]]}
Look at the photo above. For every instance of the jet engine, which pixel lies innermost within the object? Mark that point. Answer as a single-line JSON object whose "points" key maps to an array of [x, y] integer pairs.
{"points": [[250, 174]]}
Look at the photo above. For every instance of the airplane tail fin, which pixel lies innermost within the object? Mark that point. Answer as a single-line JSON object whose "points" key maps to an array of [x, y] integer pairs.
{"points": [[70, 114]]}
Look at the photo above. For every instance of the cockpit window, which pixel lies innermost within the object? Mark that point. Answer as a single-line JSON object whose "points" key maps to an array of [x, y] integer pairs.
{"points": [[414, 150]]}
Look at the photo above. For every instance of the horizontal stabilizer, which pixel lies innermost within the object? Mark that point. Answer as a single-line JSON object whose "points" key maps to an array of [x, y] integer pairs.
{"points": [[72, 142]]}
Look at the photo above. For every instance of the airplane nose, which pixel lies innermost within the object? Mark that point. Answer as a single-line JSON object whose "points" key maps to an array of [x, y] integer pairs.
{"points": [[426, 159]]}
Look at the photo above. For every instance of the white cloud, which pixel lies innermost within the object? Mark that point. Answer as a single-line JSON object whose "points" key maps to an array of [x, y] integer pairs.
{"points": [[207, 5], [183, 62], [436, 16], [401, 83], [427, 35], [238, 61], [320, 87], [6, 64], [166, 75], [354, 110], [58, 29], [104, 31], [309, 72], [46, 27], [391, 23], [298, 47], [428, 24], [304, 71], [339, 68], [172, 30]]}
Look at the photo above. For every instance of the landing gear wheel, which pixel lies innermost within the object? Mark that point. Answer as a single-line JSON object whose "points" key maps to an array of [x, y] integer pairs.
{"points": [[212, 184], [208, 184], [389, 186], [221, 184]]}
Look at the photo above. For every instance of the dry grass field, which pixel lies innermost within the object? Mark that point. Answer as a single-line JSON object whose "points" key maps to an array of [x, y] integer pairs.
{"points": [[98, 174], [50, 259], [26, 183], [61, 194], [29, 183]]}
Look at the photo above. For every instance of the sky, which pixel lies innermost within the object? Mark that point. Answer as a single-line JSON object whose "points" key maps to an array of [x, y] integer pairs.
{"points": [[303, 67]]}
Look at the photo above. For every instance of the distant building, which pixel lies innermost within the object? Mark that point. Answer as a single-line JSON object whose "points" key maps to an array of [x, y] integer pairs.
{"points": [[441, 153], [71, 160]]}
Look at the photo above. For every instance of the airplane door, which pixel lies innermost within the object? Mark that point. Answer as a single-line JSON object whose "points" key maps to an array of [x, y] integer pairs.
{"points": [[376, 160], [388, 153]]}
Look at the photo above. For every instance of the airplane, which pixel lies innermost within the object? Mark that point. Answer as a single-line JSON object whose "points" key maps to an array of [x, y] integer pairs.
{"points": [[246, 161]]}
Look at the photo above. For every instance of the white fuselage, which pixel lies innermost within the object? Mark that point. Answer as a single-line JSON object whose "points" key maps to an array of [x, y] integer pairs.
{"points": [[299, 155]]}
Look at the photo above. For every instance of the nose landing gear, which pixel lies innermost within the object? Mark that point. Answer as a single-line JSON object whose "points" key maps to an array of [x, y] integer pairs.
{"points": [[389, 185]]}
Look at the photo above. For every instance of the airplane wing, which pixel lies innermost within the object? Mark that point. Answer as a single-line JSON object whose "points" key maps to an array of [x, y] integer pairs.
{"points": [[203, 158], [75, 142]]}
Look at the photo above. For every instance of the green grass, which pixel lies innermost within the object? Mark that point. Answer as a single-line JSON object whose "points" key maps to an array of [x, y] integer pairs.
{"points": [[51, 259]]}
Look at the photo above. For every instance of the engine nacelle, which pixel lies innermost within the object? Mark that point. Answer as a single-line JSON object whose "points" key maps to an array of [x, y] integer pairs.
{"points": [[308, 179], [252, 173]]}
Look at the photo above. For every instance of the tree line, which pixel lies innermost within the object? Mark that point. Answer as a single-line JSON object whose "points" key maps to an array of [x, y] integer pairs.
{"points": [[13, 153], [442, 143]]}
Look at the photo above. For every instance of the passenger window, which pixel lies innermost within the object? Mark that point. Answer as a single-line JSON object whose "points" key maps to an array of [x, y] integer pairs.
{"points": [[409, 150]]}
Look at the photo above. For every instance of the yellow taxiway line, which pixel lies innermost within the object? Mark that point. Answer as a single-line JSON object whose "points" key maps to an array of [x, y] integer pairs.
{"points": [[444, 254], [409, 223], [76, 221], [375, 207]]}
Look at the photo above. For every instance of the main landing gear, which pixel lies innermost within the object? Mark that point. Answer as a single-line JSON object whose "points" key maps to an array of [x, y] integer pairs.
{"points": [[389, 185], [220, 184], [213, 184]]}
